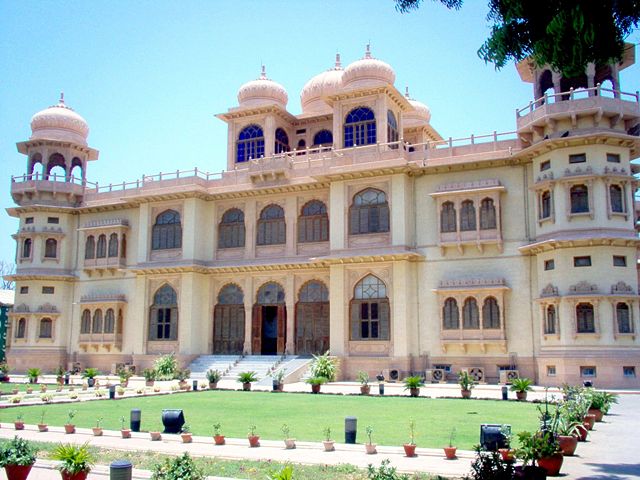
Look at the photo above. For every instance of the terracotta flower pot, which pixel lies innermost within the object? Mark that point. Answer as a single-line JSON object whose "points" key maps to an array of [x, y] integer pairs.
{"points": [[213, 385], [74, 476], [370, 448], [18, 425], [465, 393], [254, 441], [315, 388], [97, 431], [521, 396], [328, 445], [149, 383], [246, 386], [69, 428], [365, 389], [450, 453], [568, 444], [414, 392], [589, 421], [218, 439], [186, 437], [552, 464], [597, 413], [409, 449], [290, 443], [507, 454], [582, 433], [155, 436], [42, 427], [17, 472], [125, 432]]}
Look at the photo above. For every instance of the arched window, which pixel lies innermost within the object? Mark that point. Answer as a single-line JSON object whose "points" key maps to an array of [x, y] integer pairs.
{"points": [[26, 248], [392, 128], [163, 321], [369, 212], [229, 321], [450, 315], [167, 231], [21, 331], [470, 315], [324, 138], [550, 320], [109, 321], [579, 199], [487, 214], [360, 127], [96, 327], [46, 328], [617, 198], [85, 321], [282, 141], [56, 168], [51, 248], [250, 144], [545, 204], [101, 248], [36, 168], [301, 144], [370, 310], [585, 318], [231, 231], [270, 293], [231, 294], [467, 216], [271, 226], [313, 223], [313, 292], [113, 245], [490, 313], [90, 248], [312, 319], [448, 218], [623, 318], [75, 174]]}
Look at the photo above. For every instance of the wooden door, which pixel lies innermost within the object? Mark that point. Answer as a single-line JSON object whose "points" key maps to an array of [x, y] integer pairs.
{"points": [[312, 328], [228, 329], [282, 329], [256, 330]]}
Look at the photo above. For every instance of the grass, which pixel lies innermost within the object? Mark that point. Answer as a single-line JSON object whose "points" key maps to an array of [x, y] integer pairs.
{"points": [[7, 388], [244, 469], [306, 415]]}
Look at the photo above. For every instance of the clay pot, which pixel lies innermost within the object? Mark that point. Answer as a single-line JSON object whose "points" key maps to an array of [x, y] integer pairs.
{"points": [[149, 383], [290, 443], [74, 476], [97, 431], [365, 389], [465, 393], [315, 388], [42, 427], [213, 385], [254, 441], [218, 439], [409, 449], [126, 433], [450, 452], [582, 433], [186, 437], [507, 454], [589, 421], [69, 428], [17, 472], [328, 445], [246, 386], [18, 425], [155, 436], [597, 413], [521, 396], [568, 444], [552, 464], [414, 392], [370, 448]]}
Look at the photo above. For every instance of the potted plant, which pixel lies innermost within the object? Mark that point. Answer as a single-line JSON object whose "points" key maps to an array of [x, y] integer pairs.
{"points": [[413, 384], [218, 438], [120, 390], [76, 461], [213, 376], [370, 447], [450, 451], [155, 435], [466, 383], [529, 453], [183, 375], [59, 372], [4, 372], [550, 455], [363, 378], [521, 386], [568, 434], [124, 431], [17, 456], [327, 442], [18, 423], [97, 430], [42, 427], [69, 427], [182, 467], [316, 383], [254, 440], [324, 366], [124, 374], [43, 388], [33, 374], [290, 443], [507, 453], [489, 466], [149, 375], [90, 374], [246, 379], [277, 379], [185, 434], [29, 390], [410, 448]]}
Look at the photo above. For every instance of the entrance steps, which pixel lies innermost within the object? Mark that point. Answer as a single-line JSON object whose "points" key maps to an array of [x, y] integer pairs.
{"points": [[203, 363], [293, 366], [230, 366]]}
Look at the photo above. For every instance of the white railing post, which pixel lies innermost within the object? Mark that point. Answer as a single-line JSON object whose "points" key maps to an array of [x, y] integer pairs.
{"points": [[571, 93], [598, 89]]}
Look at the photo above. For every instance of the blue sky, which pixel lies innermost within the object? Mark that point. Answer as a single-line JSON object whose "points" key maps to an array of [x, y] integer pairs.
{"points": [[148, 76]]}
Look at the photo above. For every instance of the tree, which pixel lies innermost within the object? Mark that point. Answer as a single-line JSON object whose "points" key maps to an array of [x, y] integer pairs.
{"points": [[6, 268], [566, 34]]}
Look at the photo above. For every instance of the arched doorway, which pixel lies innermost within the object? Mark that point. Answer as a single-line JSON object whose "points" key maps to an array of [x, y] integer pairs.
{"points": [[228, 321], [269, 323], [312, 319]]}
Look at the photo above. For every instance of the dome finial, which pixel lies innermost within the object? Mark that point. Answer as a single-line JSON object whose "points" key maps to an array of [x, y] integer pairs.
{"points": [[61, 98], [367, 53], [263, 73], [406, 91], [338, 65]]}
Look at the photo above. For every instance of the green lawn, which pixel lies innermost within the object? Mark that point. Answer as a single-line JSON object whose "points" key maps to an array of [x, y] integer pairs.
{"points": [[7, 388], [305, 414]]}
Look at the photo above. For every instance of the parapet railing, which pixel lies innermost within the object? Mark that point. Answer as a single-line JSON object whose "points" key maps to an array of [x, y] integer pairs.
{"points": [[577, 94]]}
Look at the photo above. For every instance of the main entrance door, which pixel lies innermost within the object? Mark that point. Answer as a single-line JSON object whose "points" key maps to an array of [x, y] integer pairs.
{"points": [[228, 322], [312, 319], [269, 322]]}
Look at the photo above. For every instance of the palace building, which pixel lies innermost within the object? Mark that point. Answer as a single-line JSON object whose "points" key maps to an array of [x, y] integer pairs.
{"points": [[353, 227]]}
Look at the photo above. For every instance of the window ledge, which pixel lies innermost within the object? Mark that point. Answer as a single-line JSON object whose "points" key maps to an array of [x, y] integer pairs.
{"points": [[580, 214], [549, 219]]}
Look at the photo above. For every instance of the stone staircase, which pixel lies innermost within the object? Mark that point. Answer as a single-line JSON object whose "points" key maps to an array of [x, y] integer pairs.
{"points": [[203, 363], [293, 367], [230, 366]]}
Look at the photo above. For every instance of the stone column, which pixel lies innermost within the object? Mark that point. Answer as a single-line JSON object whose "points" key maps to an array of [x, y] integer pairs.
{"points": [[248, 312], [290, 299], [338, 212], [250, 219], [591, 73], [189, 234], [269, 135], [144, 230], [338, 308], [290, 217]]}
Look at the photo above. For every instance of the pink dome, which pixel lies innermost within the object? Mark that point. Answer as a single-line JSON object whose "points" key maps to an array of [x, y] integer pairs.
{"points": [[59, 122], [322, 85], [368, 72], [262, 91], [420, 114]]}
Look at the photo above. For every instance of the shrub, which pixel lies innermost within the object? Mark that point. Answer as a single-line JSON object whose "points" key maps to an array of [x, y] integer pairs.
{"points": [[166, 367], [213, 376], [413, 382], [521, 385], [179, 468], [285, 474], [75, 459], [149, 374], [33, 374], [247, 377], [384, 472], [90, 373], [489, 466], [324, 366], [17, 452]]}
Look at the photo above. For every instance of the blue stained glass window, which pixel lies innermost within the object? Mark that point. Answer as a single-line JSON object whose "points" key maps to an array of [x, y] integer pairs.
{"points": [[250, 143], [282, 141], [360, 127], [323, 137]]}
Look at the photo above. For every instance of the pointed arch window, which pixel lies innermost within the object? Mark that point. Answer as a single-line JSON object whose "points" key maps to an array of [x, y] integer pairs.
{"points": [[579, 199], [623, 318], [96, 327], [448, 218], [313, 223], [167, 231], [26, 248], [163, 315], [360, 127], [101, 248], [324, 138], [450, 314], [85, 322], [490, 313], [467, 216], [370, 310], [369, 212], [487, 214], [113, 245], [271, 226], [46, 328], [21, 330], [229, 321], [470, 314], [51, 248], [585, 318], [90, 248], [392, 129], [231, 231], [250, 144], [109, 321], [617, 198], [282, 141], [550, 320]]}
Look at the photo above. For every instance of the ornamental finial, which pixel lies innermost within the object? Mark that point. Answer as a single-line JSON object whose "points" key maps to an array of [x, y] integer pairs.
{"points": [[263, 74], [367, 53], [338, 65], [406, 91], [61, 98]]}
